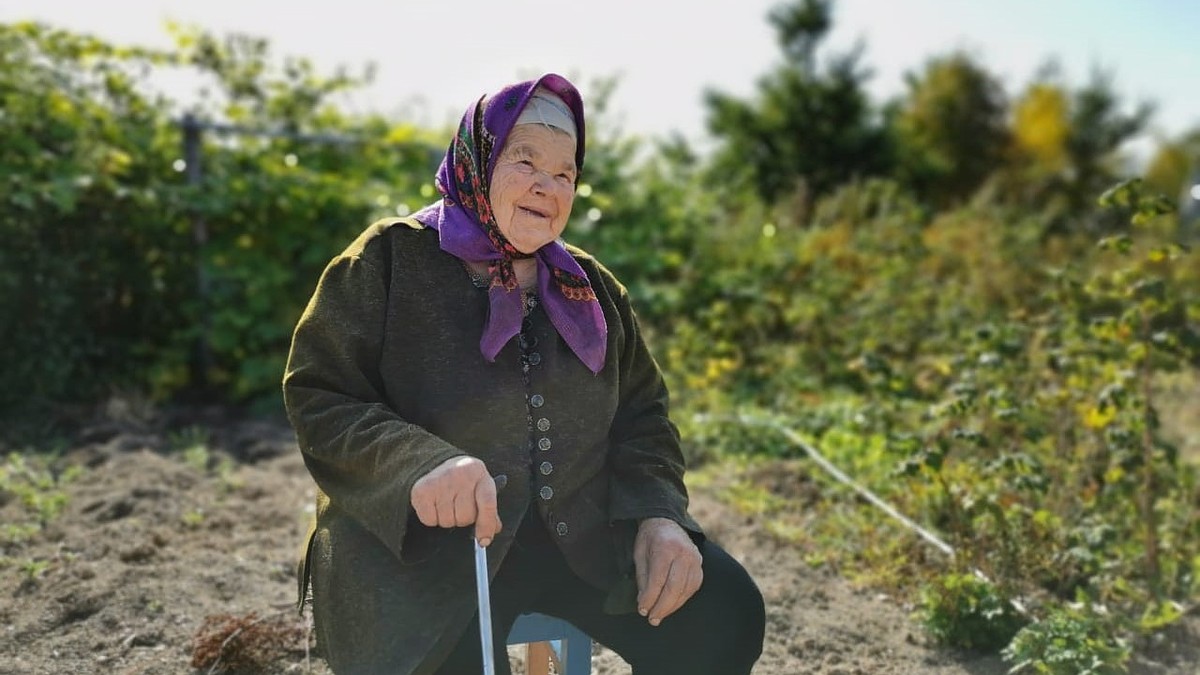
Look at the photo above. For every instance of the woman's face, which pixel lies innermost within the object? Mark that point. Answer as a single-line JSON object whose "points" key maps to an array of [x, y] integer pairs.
{"points": [[533, 186]]}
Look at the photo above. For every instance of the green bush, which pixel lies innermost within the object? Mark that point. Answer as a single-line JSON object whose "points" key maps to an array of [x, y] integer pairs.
{"points": [[101, 268], [1070, 641], [964, 611], [89, 247]]}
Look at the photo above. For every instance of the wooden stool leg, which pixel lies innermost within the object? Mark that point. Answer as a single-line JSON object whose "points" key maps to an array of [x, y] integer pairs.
{"points": [[537, 658]]}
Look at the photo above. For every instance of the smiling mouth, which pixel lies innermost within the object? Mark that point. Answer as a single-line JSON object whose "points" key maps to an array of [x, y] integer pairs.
{"points": [[533, 212]]}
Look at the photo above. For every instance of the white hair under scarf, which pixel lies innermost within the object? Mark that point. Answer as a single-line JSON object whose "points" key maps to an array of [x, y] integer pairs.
{"points": [[546, 108]]}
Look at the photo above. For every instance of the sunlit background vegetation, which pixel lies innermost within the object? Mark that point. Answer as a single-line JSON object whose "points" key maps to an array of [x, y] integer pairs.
{"points": [[970, 298]]}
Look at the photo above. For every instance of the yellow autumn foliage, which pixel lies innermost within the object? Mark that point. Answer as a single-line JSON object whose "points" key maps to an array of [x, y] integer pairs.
{"points": [[1041, 125]]}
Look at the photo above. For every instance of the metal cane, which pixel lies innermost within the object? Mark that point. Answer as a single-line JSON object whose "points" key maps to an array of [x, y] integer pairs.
{"points": [[485, 607]]}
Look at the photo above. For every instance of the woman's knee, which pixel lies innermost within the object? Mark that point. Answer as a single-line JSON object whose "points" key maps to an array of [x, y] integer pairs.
{"points": [[753, 631], [737, 603]]}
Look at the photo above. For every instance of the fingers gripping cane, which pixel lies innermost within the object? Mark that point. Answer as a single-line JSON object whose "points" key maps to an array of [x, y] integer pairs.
{"points": [[485, 608]]}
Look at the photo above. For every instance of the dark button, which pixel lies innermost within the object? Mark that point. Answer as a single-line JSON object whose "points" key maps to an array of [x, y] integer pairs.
{"points": [[535, 358], [546, 468], [526, 325], [537, 401], [562, 530], [544, 425], [546, 492], [527, 341], [543, 444], [501, 480]]}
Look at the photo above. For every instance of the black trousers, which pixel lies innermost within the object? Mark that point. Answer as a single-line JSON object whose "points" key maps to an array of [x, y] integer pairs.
{"points": [[718, 631]]}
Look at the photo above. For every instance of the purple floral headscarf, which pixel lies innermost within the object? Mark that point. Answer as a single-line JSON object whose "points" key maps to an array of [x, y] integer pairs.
{"points": [[467, 228]]}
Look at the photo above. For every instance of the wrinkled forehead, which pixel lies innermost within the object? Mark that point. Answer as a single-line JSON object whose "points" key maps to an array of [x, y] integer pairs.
{"points": [[538, 141]]}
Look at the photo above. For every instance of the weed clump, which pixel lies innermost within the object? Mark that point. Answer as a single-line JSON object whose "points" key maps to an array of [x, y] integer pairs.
{"points": [[226, 643]]}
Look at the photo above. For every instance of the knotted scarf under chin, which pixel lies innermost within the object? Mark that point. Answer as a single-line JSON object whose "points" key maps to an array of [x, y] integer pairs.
{"points": [[563, 287]]}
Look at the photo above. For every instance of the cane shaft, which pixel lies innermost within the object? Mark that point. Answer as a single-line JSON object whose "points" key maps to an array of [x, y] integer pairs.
{"points": [[485, 608]]}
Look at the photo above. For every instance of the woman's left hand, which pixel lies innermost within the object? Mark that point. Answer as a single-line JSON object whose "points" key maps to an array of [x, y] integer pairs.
{"points": [[668, 568]]}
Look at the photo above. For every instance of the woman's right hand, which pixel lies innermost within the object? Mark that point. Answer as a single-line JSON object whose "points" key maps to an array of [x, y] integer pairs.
{"points": [[456, 493]]}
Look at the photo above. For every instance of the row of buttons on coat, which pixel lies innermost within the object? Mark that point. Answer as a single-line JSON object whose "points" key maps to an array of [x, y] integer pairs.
{"points": [[527, 342]]}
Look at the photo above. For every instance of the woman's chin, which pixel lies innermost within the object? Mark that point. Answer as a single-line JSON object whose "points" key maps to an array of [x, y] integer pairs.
{"points": [[530, 243], [530, 247]]}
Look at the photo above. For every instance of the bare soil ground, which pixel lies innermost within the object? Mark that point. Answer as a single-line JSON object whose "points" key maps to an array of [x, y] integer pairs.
{"points": [[155, 538]]}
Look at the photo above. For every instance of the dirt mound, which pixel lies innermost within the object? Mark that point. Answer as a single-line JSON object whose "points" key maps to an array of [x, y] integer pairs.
{"points": [[181, 535]]}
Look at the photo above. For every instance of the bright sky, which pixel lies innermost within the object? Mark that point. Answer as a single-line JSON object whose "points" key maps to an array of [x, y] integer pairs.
{"points": [[435, 56]]}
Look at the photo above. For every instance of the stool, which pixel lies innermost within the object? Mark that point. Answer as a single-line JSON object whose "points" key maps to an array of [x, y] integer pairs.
{"points": [[549, 639]]}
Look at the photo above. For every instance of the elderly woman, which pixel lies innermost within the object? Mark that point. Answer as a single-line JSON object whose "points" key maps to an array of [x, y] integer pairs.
{"points": [[464, 373]]}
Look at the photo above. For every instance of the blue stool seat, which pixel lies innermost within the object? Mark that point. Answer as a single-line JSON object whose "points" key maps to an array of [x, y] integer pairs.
{"points": [[571, 646]]}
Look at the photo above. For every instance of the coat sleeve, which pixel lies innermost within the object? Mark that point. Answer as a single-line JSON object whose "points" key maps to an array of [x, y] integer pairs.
{"points": [[645, 455], [363, 456]]}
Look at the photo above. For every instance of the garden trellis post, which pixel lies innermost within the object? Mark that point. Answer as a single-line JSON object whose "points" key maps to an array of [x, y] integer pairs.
{"points": [[193, 157]]}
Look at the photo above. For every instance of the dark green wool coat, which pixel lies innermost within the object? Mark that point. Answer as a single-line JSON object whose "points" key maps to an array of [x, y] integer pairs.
{"points": [[385, 381]]}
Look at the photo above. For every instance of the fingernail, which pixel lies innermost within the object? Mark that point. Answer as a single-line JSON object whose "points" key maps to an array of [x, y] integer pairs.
{"points": [[642, 611], [655, 622], [484, 542]]}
